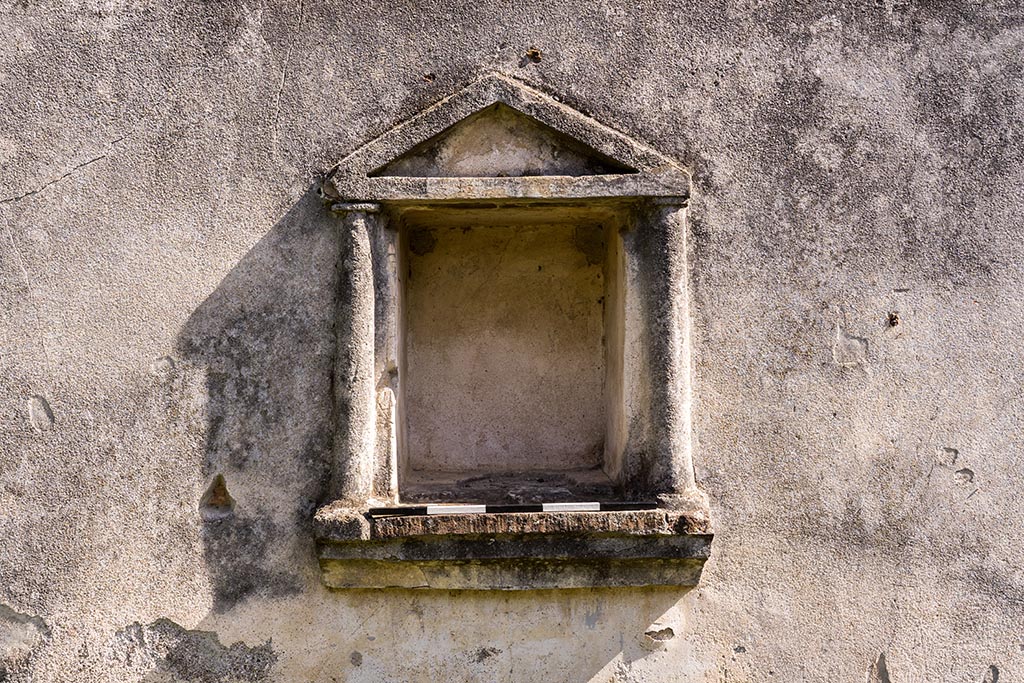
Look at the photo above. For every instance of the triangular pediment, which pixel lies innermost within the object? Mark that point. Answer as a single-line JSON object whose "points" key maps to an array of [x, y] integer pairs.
{"points": [[501, 142], [497, 138]]}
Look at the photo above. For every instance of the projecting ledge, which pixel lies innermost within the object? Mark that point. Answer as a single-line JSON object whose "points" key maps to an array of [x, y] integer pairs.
{"points": [[512, 551]]}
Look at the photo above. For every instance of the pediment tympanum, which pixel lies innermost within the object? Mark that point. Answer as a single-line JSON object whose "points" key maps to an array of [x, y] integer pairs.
{"points": [[499, 138], [499, 141]]}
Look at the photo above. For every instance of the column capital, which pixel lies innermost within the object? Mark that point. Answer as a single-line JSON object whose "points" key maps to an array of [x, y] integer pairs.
{"points": [[671, 202], [355, 207]]}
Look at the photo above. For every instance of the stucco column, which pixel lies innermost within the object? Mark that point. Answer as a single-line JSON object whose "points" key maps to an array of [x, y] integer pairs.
{"points": [[670, 465], [355, 431]]}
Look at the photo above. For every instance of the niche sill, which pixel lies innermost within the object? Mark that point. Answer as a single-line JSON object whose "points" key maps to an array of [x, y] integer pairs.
{"points": [[536, 486], [512, 551]]}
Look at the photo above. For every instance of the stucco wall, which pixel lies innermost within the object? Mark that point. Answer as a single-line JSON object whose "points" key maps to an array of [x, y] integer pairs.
{"points": [[166, 279]]}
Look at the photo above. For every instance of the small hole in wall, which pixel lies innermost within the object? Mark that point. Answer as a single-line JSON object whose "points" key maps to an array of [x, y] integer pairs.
{"points": [[533, 55], [661, 635], [656, 639], [965, 475], [217, 502]]}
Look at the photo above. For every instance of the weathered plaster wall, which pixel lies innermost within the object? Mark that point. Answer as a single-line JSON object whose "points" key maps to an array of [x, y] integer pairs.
{"points": [[166, 279]]}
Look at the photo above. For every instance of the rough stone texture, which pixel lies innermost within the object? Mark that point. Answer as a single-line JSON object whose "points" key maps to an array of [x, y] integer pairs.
{"points": [[167, 277], [511, 551], [465, 568], [336, 523]]}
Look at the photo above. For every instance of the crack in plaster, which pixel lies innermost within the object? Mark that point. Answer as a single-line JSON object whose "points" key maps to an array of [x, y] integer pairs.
{"points": [[41, 188], [284, 72], [28, 287]]}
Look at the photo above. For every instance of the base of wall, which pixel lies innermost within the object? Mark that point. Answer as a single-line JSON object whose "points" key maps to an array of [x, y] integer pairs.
{"points": [[511, 551]]}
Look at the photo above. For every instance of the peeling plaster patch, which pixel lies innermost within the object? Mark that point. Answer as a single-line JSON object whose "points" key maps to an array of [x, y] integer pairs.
{"points": [[532, 55], [948, 456], [20, 635], [964, 476], [39, 414], [879, 672], [8, 150], [848, 350], [193, 656], [162, 367]]}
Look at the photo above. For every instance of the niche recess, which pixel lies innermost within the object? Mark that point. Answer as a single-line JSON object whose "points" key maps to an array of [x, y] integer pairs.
{"points": [[510, 332], [512, 328]]}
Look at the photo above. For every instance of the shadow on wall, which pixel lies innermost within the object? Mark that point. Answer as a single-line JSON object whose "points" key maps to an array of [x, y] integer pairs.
{"points": [[265, 342]]}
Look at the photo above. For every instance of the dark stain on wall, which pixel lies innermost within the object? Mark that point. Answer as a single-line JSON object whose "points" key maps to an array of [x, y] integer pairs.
{"points": [[264, 341]]}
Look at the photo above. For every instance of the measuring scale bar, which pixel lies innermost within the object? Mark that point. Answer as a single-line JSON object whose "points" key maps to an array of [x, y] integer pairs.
{"points": [[457, 509]]}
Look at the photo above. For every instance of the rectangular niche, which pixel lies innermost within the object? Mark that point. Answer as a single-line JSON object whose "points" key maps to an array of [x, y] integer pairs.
{"points": [[512, 329], [511, 354]]}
